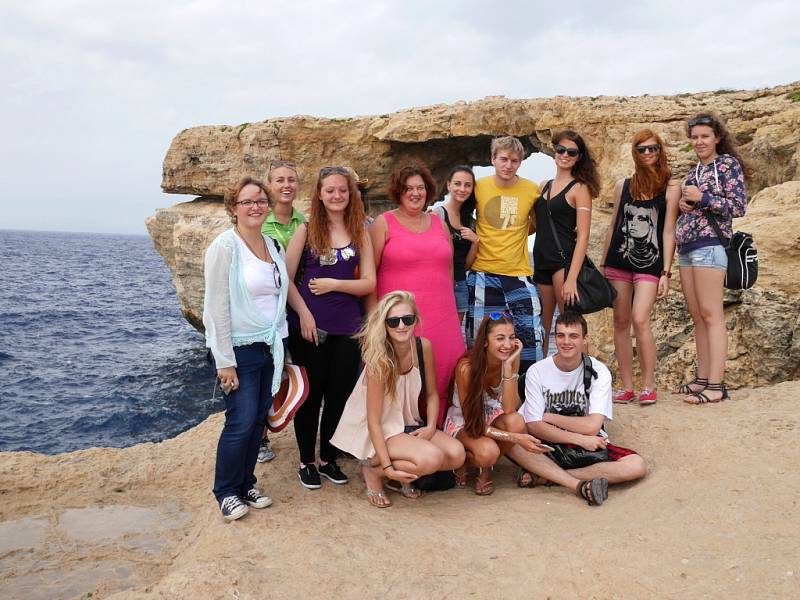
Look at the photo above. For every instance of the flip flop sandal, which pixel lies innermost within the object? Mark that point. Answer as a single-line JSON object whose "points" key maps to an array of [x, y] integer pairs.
{"points": [[525, 479], [378, 499], [483, 488], [407, 491], [461, 477], [594, 491]]}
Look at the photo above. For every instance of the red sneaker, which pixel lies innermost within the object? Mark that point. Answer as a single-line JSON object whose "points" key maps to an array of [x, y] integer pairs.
{"points": [[647, 396], [624, 396]]}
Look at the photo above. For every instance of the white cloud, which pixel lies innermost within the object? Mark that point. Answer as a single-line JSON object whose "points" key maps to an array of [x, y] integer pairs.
{"points": [[94, 91]]}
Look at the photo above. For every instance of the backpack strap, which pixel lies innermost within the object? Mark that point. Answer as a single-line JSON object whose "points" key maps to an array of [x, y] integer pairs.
{"points": [[588, 374]]}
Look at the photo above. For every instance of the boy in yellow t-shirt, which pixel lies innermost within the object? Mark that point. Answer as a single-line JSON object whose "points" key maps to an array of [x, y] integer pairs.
{"points": [[499, 280]]}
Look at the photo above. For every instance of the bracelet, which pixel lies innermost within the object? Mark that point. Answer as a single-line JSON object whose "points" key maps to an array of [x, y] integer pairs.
{"points": [[390, 465], [666, 274], [514, 376]]}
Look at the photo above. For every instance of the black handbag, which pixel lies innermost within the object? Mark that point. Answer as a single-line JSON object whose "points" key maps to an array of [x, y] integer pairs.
{"points": [[594, 291], [742, 257], [572, 456]]}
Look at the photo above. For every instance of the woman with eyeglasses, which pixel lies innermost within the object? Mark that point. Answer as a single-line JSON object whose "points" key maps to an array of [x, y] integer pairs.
{"points": [[413, 252], [280, 224], [244, 314], [381, 424], [483, 416], [457, 214], [566, 203], [331, 260], [637, 255], [714, 190]]}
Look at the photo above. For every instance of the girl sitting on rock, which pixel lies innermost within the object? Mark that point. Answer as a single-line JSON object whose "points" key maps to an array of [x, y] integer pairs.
{"points": [[484, 415], [381, 424]]}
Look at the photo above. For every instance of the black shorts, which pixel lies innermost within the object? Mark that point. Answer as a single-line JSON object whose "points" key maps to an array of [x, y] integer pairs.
{"points": [[545, 276]]}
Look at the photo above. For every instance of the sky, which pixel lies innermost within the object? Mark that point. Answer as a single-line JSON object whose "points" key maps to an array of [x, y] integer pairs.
{"points": [[94, 91]]}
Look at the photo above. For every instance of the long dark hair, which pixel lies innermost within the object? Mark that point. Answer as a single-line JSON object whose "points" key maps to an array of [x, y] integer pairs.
{"points": [[725, 145], [476, 362], [469, 204], [585, 169]]}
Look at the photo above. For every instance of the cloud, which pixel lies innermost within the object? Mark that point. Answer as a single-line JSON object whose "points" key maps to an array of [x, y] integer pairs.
{"points": [[94, 91]]}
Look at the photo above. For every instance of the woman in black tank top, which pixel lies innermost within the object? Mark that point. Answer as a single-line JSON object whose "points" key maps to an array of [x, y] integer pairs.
{"points": [[566, 201], [637, 255], [457, 214]]}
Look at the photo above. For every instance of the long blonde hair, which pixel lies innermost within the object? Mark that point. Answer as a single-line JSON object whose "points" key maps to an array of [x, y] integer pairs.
{"points": [[379, 356]]}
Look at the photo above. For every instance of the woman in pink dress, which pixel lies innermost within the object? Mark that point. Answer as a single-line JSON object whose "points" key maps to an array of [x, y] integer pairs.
{"points": [[413, 252]]}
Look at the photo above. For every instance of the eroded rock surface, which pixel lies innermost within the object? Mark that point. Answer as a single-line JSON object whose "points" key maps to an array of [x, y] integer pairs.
{"points": [[763, 322]]}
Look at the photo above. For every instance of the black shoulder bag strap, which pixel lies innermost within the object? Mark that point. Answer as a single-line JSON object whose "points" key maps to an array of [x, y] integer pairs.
{"points": [[421, 361], [549, 187], [301, 266], [712, 220]]}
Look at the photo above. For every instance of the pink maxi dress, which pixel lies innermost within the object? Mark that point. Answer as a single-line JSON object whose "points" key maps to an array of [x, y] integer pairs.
{"points": [[420, 263]]}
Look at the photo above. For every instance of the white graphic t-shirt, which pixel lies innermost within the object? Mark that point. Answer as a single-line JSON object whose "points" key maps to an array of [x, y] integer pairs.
{"points": [[549, 389]]}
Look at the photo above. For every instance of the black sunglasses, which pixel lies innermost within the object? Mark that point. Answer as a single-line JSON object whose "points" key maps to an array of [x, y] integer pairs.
{"points": [[408, 321], [573, 152], [701, 121], [651, 149]]}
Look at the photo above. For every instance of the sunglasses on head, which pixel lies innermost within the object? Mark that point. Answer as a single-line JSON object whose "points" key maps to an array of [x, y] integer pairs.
{"points": [[278, 164], [572, 152], [651, 149], [408, 321], [701, 121], [325, 171], [502, 314]]}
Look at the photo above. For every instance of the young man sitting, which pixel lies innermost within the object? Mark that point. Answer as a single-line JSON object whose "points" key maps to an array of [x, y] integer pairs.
{"points": [[558, 412]]}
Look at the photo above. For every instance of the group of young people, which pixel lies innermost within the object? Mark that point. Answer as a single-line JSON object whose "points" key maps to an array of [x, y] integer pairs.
{"points": [[424, 333]]}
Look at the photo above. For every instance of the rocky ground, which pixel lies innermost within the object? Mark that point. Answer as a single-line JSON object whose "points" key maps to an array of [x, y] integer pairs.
{"points": [[715, 517]]}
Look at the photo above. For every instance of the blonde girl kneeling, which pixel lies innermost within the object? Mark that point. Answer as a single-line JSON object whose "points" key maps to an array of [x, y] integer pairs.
{"points": [[380, 424]]}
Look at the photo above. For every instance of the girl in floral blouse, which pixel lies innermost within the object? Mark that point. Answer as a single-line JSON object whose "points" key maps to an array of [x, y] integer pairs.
{"points": [[714, 189]]}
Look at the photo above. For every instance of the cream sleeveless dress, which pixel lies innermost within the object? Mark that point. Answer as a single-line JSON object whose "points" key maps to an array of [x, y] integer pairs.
{"points": [[352, 434]]}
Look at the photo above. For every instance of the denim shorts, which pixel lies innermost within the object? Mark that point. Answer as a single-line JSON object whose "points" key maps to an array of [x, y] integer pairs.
{"points": [[710, 257], [462, 298]]}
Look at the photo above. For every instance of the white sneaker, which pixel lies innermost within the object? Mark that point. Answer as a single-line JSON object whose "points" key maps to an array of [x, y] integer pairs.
{"points": [[233, 508], [256, 499]]}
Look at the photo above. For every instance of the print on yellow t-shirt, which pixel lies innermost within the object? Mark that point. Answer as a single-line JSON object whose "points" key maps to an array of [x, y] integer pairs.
{"points": [[502, 226]]}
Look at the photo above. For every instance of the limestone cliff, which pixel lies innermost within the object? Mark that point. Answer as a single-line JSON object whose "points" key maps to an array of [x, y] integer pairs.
{"points": [[763, 322]]}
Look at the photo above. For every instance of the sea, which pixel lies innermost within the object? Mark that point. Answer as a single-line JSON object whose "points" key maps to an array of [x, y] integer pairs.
{"points": [[94, 350]]}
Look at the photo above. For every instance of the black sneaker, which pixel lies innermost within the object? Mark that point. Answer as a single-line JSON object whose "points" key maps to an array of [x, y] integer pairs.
{"points": [[256, 499], [333, 472], [309, 477], [232, 508]]}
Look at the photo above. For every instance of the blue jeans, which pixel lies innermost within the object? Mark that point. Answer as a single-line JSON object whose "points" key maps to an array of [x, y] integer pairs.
{"points": [[245, 413], [462, 295], [710, 257]]}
